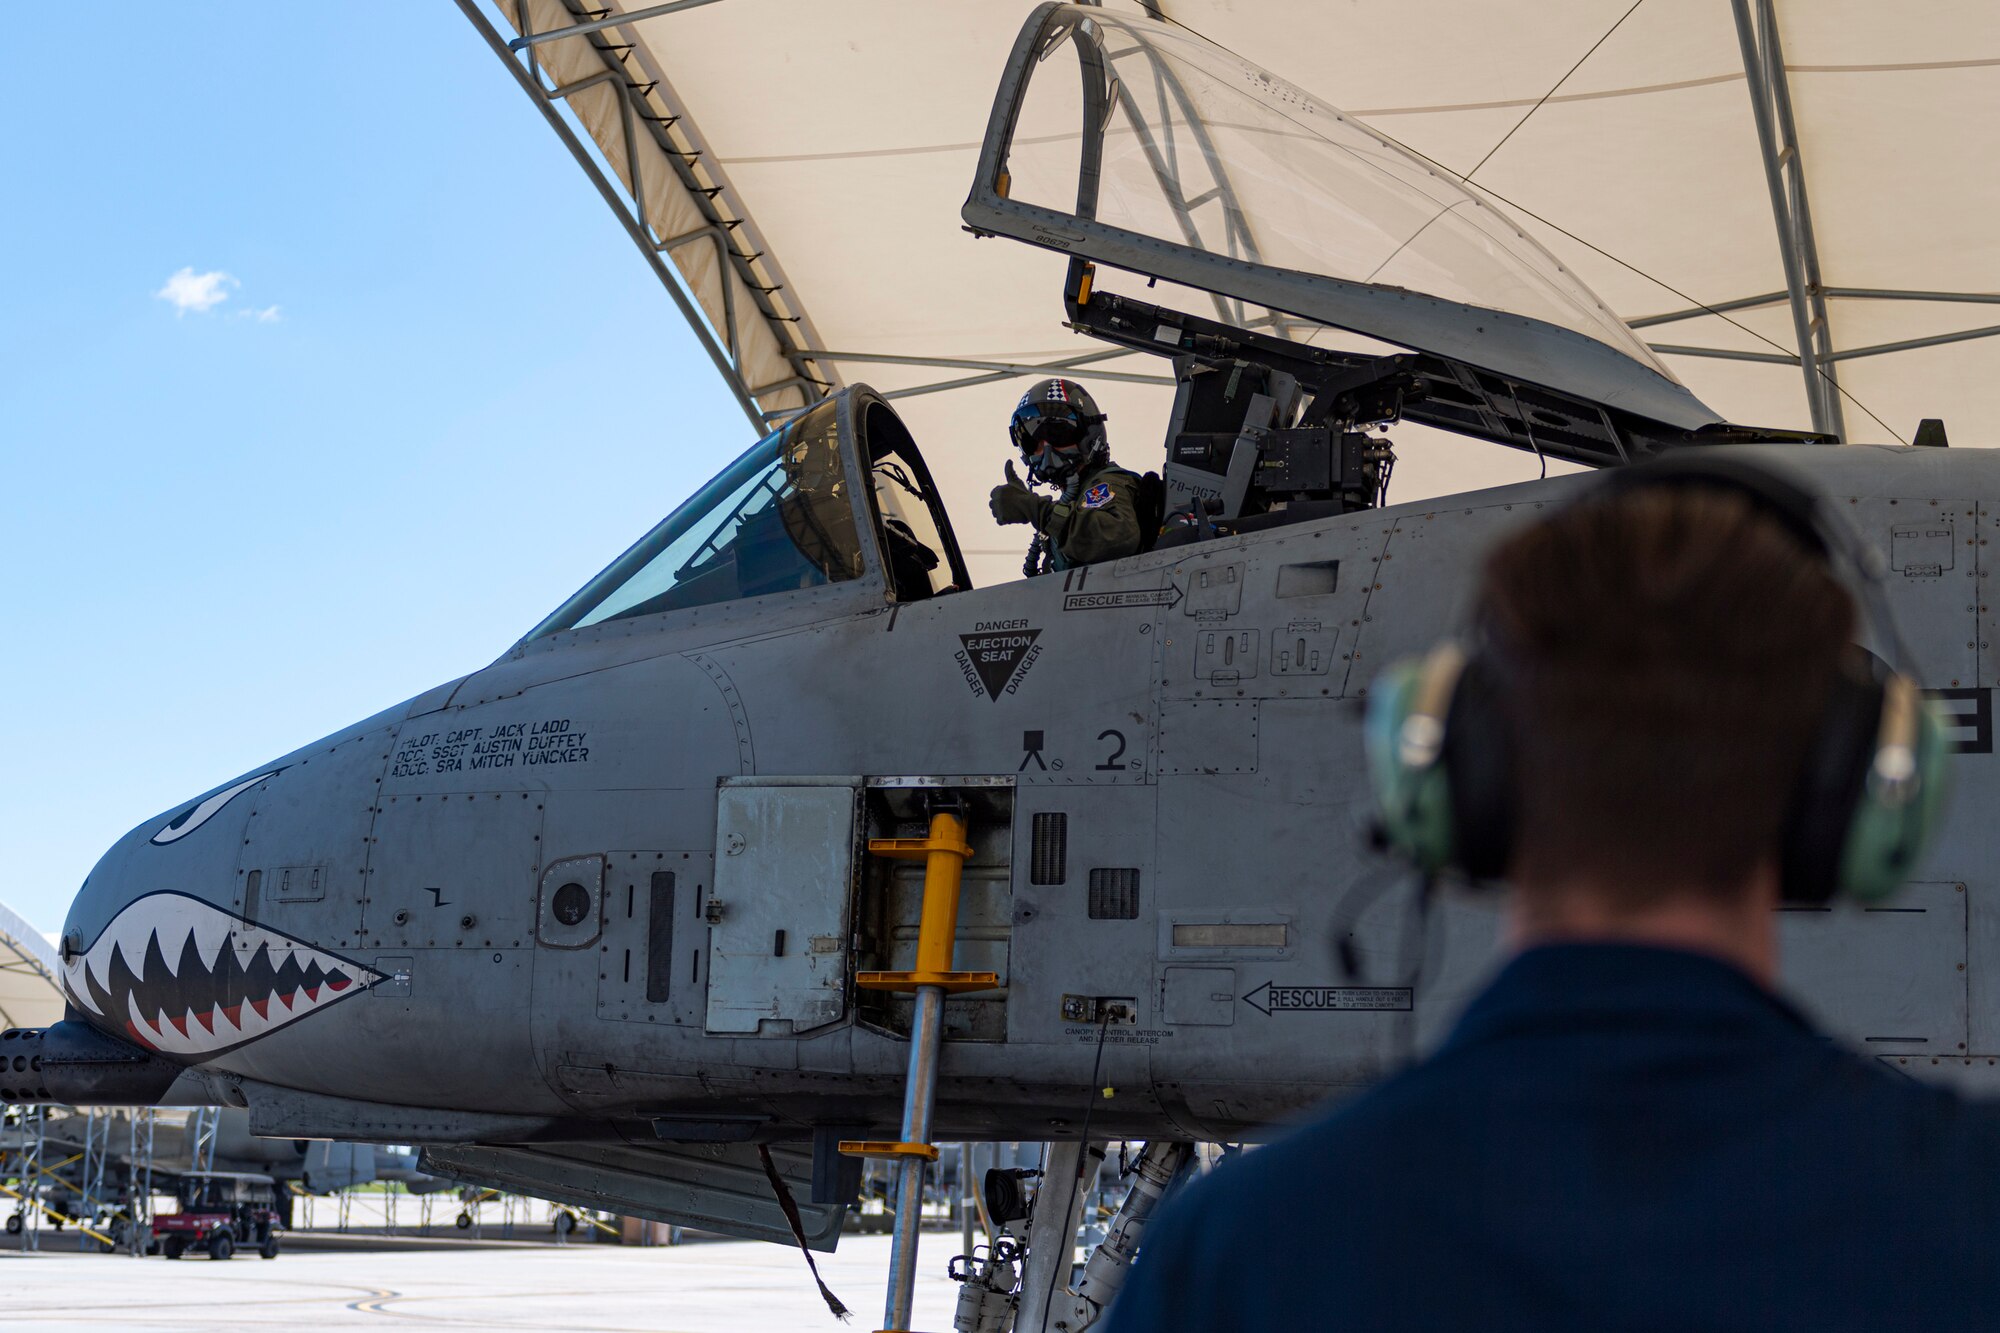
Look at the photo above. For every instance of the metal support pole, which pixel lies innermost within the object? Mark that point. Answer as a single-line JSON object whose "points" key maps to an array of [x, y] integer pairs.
{"points": [[968, 1201], [944, 853], [139, 1177], [1771, 106], [36, 1129], [919, 1099], [92, 1207], [201, 1155]]}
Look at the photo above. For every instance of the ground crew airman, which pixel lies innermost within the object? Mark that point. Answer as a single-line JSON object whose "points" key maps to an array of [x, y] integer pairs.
{"points": [[1660, 731]]}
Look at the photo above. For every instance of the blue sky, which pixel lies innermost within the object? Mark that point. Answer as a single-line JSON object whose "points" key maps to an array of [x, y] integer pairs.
{"points": [[440, 390]]}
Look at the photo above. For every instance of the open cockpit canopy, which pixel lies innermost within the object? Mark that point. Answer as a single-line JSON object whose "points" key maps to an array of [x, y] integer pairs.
{"points": [[1145, 146]]}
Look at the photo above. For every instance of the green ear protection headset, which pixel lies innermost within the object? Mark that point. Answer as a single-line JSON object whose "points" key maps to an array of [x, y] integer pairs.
{"points": [[1867, 802]]}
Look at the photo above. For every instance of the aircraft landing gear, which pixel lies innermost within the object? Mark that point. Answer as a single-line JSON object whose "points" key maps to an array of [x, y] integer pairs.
{"points": [[1051, 1252], [463, 1221], [1047, 1302]]}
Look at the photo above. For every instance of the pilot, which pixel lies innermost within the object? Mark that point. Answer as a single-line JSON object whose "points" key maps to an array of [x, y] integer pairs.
{"points": [[1060, 434], [1630, 1127]]}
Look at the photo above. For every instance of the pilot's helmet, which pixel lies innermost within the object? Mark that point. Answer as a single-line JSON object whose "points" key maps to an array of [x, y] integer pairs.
{"points": [[1062, 415]]}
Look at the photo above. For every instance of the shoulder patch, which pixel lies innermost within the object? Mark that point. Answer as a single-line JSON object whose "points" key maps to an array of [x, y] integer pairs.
{"points": [[1097, 496]]}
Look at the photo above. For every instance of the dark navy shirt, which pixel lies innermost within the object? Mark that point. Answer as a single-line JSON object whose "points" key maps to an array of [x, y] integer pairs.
{"points": [[1613, 1137]]}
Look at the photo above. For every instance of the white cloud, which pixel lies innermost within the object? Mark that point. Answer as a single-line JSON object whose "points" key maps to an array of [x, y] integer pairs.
{"points": [[268, 315], [200, 292]]}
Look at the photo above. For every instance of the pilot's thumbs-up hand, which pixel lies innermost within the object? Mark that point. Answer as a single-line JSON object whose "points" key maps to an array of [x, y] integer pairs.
{"points": [[1012, 502]]}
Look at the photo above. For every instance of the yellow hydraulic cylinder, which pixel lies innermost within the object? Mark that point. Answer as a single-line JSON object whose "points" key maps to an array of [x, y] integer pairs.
{"points": [[944, 869], [944, 853]]}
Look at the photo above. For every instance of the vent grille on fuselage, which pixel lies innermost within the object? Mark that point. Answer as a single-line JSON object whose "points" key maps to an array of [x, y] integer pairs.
{"points": [[1049, 861], [1114, 893]]}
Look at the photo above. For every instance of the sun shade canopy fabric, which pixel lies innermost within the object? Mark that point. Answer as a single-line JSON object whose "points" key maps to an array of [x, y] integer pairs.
{"points": [[1752, 184], [29, 995]]}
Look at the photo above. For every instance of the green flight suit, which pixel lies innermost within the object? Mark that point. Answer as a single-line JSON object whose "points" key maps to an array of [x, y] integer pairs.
{"points": [[1085, 533]]}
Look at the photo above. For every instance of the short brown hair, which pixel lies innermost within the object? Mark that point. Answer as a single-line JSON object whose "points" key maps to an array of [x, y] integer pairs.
{"points": [[1664, 656]]}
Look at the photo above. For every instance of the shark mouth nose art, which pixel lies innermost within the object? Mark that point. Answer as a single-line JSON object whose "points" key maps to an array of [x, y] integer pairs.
{"points": [[182, 977]]}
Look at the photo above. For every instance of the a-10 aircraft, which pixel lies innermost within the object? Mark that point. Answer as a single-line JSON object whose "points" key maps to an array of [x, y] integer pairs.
{"points": [[597, 921], [77, 1168]]}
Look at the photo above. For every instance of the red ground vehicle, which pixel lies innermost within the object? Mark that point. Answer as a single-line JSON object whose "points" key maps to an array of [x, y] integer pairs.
{"points": [[221, 1211]]}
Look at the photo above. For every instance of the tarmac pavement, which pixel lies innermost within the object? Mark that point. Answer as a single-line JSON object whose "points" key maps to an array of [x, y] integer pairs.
{"points": [[706, 1287]]}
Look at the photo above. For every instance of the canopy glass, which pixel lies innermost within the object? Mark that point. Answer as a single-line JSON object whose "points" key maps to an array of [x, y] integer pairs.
{"points": [[778, 519], [1198, 147]]}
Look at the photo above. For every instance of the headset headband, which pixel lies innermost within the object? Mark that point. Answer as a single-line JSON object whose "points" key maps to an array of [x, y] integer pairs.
{"points": [[1790, 505], [1866, 802]]}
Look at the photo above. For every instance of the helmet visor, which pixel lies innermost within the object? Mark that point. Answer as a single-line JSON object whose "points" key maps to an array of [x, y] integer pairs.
{"points": [[1058, 425]]}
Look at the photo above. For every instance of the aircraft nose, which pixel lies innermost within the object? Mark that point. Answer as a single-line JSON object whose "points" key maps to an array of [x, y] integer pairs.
{"points": [[165, 888], [169, 945]]}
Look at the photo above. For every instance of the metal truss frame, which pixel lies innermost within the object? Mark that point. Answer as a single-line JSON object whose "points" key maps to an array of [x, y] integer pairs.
{"points": [[93, 1204], [34, 1127], [1771, 104], [139, 1178], [727, 227], [527, 40], [202, 1125]]}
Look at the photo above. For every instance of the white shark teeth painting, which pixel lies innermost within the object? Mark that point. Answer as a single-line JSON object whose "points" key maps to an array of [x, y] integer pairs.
{"points": [[183, 977]]}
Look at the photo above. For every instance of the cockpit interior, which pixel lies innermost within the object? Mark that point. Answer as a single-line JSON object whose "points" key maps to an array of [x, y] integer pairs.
{"points": [[788, 516]]}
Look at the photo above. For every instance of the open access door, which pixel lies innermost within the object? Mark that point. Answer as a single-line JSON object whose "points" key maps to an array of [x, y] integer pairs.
{"points": [[780, 915]]}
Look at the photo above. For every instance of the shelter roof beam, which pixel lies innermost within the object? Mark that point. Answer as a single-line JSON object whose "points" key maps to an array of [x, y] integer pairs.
{"points": [[1911, 344], [1719, 308], [1001, 369], [1725, 354], [1831, 294], [1058, 367], [1895, 294]]}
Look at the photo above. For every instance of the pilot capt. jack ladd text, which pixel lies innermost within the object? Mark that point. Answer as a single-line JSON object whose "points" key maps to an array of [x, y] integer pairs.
{"points": [[995, 658], [553, 740]]}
